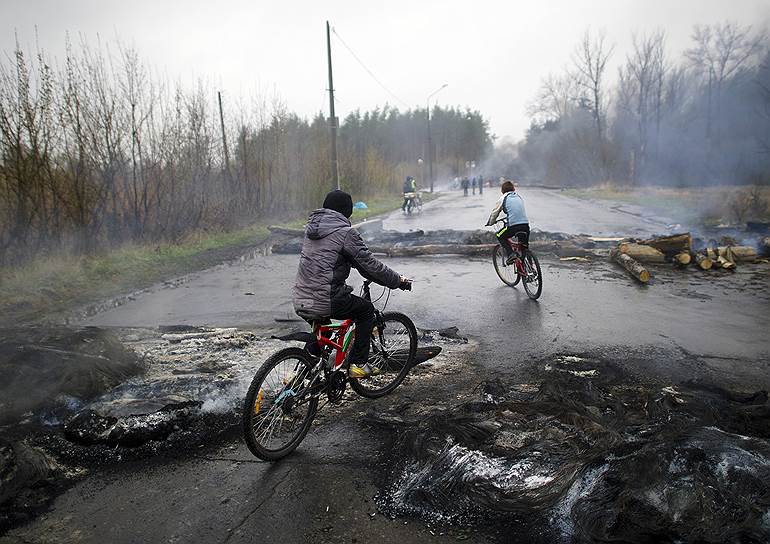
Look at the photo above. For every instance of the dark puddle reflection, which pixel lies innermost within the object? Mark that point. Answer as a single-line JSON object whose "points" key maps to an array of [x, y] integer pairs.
{"points": [[592, 454]]}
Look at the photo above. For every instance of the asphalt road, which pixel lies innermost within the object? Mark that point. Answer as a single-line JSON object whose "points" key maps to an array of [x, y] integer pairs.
{"points": [[548, 210], [682, 325], [583, 304]]}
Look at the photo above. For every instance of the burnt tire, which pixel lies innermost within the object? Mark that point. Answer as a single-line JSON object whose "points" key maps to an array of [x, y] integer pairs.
{"points": [[259, 422], [393, 348]]}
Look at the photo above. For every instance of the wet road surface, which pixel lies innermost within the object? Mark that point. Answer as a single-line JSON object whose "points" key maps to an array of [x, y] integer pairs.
{"points": [[681, 326], [548, 210]]}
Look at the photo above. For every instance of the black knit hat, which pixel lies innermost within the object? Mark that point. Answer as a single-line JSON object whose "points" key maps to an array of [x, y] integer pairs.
{"points": [[339, 201]]}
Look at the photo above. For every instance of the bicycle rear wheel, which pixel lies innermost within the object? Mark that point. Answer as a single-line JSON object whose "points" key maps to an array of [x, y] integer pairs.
{"points": [[533, 282], [279, 407], [393, 348], [506, 272]]}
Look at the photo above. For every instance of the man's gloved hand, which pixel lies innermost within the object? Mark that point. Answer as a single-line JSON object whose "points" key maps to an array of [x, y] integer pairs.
{"points": [[406, 284]]}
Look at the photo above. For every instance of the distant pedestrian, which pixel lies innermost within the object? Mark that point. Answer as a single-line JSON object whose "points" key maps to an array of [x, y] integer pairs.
{"points": [[481, 185], [465, 183], [473, 183]]}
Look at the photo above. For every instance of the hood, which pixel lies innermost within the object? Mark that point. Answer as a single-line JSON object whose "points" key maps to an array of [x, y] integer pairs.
{"points": [[323, 221]]}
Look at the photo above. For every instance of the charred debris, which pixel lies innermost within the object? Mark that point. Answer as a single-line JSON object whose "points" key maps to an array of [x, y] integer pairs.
{"points": [[714, 250]]}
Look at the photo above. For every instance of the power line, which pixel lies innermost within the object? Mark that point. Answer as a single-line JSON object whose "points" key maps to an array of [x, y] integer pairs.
{"points": [[368, 71]]}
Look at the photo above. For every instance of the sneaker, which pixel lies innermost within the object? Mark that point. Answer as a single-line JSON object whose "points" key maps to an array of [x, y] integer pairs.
{"points": [[365, 371]]}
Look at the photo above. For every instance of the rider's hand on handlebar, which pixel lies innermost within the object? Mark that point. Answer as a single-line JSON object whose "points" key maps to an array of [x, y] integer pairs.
{"points": [[406, 284]]}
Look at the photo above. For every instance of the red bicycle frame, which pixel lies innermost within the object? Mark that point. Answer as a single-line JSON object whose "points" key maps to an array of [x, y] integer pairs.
{"points": [[338, 336], [519, 263]]}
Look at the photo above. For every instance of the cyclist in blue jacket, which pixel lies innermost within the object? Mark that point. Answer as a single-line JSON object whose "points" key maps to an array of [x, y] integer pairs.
{"points": [[515, 221]]}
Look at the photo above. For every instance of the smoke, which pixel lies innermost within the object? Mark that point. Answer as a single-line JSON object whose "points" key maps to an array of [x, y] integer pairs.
{"points": [[691, 121]]}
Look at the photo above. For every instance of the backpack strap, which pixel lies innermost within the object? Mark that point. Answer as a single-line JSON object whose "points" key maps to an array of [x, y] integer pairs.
{"points": [[505, 205]]}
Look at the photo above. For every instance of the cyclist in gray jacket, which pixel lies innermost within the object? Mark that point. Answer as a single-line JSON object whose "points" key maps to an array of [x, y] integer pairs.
{"points": [[330, 248], [515, 221]]}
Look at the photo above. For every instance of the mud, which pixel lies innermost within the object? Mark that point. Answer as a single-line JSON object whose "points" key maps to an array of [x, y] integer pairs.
{"points": [[599, 454]]}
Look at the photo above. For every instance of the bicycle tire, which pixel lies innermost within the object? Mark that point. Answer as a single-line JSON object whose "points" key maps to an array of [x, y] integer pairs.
{"points": [[255, 397], [531, 262], [503, 270], [398, 363]]}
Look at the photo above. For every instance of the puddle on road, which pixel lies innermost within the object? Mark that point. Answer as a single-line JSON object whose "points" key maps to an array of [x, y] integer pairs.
{"points": [[593, 453]]}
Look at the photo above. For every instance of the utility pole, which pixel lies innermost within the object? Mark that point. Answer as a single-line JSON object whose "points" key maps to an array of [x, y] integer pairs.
{"points": [[430, 138], [332, 116], [430, 152], [224, 138]]}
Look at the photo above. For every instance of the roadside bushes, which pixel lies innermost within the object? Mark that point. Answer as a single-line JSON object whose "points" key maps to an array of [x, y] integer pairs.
{"points": [[97, 151]]}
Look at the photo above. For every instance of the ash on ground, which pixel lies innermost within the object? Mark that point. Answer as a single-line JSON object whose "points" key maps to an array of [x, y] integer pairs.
{"points": [[133, 394], [591, 452]]}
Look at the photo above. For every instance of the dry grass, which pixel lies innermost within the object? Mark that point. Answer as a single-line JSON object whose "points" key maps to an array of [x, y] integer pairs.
{"points": [[52, 285], [704, 205]]}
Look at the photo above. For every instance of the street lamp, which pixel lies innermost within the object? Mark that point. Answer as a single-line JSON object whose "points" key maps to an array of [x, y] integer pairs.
{"points": [[430, 140], [422, 171]]}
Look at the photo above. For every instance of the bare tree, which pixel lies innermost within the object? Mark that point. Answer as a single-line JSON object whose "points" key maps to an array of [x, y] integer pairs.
{"points": [[763, 108], [641, 93], [719, 53], [555, 99], [590, 62]]}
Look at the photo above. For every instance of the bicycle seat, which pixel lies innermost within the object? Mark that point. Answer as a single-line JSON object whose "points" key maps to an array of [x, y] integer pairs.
{"points": [[296, 337], [319, 321]]}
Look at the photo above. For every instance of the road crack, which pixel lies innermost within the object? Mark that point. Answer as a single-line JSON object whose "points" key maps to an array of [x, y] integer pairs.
{"points": [[232, 531]]}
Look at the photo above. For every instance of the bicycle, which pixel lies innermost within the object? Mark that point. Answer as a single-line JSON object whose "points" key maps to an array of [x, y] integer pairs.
{"points": [[284, 395], [525, 267], [413, 202]]}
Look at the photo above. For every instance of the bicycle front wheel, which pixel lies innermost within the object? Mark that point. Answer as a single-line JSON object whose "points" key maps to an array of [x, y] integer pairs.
{"points": [[279, 406], [533, 282], [506, 272], [393, 348]]}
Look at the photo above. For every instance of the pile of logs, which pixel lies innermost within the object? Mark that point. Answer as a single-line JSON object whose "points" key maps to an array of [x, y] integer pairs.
{"points": [[678, 249]]}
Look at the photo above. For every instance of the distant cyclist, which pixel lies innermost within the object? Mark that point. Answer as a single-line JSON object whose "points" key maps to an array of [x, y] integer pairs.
{"points": [[515, 221], [410, 186]]}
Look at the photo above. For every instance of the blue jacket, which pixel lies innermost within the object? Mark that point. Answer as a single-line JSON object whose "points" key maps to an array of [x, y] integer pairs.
{"points": [[513, 206]]}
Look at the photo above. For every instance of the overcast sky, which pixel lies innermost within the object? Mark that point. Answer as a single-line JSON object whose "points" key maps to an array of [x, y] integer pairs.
{"points": [[491, 54]]}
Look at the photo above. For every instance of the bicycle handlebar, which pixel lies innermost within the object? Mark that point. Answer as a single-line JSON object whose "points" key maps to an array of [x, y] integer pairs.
{"points": [[407, 284]]}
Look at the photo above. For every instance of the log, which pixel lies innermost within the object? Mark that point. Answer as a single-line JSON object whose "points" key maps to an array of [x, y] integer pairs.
{"points": [[275, 229], [569, 250], [740, 254], [703, 261], [602, 239], [633, 267], [368, 227], [641, 252], [435, 249], [671, 245], [725, 263], [682, 259]]}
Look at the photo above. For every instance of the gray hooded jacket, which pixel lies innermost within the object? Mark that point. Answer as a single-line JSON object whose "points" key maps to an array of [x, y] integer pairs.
{"points": [[330, 248]]}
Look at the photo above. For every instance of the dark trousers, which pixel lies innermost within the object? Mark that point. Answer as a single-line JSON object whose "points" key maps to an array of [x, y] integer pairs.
{"points": [[361, 311], [521, 231]]}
